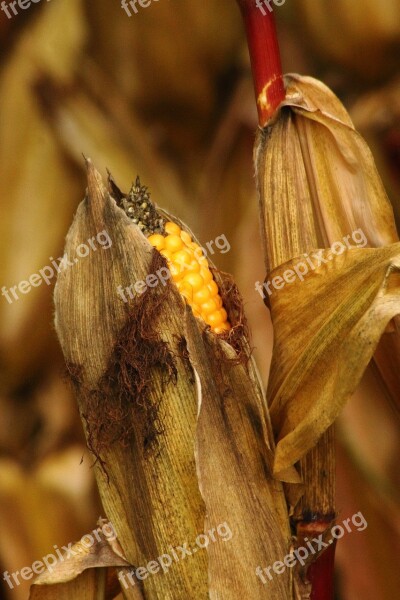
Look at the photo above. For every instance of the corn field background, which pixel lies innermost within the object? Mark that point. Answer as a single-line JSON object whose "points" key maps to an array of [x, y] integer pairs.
{"points": [[167, 94]]}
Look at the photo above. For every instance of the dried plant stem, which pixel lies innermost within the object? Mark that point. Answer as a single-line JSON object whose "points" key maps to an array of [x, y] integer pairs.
{"points": [[265, 58], [316, 511], [318, 474]]}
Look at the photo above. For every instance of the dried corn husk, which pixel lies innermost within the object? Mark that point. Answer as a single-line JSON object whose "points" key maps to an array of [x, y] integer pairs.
{"points": [[91, 319], [317, 178], [135, 369]]}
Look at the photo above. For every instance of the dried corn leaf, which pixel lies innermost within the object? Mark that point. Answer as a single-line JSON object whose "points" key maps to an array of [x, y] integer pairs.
{"points": [[326, 330], [88, 574]]}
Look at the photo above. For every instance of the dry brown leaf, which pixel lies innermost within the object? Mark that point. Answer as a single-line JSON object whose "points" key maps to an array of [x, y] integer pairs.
{"points": [[318, 184], [84, 575], [326, 330]]}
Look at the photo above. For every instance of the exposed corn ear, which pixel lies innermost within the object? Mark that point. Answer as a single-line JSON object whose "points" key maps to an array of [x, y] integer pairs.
{"points": [[191, 273], [189, 267]]}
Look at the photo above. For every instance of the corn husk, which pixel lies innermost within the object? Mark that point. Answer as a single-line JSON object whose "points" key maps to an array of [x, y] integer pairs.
{"points": [[169, 452], [325, 183], [88, 331]]}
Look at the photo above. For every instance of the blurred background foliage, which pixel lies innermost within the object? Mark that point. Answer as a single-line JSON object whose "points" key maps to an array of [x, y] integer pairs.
{"points": [[167, 94]]}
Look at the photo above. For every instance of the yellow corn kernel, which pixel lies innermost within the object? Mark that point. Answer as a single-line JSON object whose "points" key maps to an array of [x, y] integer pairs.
{"points": [[207, 308], [173, 243], [166, 254], [157, 240], [221, 328], [212, 286], [195, 280], [172, 228], [183, 257], [192, 276], [198, 252], [196, 310], [215, 319], [203, 262], [176, 271], [224, 314], [218, 300], [206, 274], [202, 295], [186, 290], [194, 267]]}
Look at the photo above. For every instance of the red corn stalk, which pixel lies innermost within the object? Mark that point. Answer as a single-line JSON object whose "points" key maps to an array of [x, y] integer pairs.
{"points": [[320, 573], [264, 56], [320, 576]]}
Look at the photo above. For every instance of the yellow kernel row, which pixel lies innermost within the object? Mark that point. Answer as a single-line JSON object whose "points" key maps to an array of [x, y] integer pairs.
{"points": [[191, 273]]}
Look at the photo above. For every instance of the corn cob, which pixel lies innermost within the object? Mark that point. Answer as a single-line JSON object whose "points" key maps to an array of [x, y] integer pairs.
{"points": [[185, 259], [191, 274]]}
